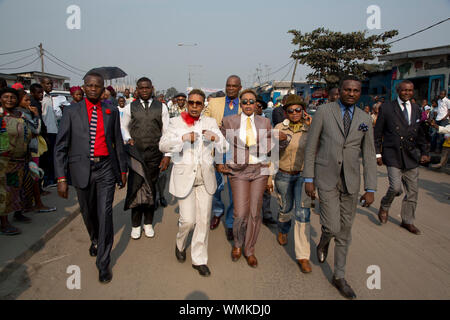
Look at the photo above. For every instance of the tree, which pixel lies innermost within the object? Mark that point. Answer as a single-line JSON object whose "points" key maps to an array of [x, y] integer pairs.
{"points": [[332, 55], [171, 92]]}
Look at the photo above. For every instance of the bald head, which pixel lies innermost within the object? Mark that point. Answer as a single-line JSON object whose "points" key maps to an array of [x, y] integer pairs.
{"points": [[233, 86]]}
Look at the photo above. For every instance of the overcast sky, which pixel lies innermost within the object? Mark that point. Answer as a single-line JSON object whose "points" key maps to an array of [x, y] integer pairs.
{"points": [[233, 36]]}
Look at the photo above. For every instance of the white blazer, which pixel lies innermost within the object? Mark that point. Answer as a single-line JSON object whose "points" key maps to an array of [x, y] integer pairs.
{"points": [[186, 156]]}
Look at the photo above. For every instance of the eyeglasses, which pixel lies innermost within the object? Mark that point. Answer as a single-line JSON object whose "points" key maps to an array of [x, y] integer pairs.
{"points": [[298, 110], [246, 101], [196, 103]]}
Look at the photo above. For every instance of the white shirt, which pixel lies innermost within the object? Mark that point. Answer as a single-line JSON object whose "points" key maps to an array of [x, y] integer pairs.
{"points": [[243, 134], [48, 114], [408, 107], [442, 109], [126, 118]]}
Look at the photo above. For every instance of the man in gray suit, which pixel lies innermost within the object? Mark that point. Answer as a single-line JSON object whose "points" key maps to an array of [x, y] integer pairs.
{"points": [[338, 134]]}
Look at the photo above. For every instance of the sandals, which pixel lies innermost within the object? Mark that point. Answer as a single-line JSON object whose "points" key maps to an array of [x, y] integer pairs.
{"points": [[9, 230], [46, 209]]}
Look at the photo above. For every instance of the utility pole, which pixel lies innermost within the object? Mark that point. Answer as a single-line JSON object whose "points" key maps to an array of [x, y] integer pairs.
{"points": [[293, 75], [41, 52]]}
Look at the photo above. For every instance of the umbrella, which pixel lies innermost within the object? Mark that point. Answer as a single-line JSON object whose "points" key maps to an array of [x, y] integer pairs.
{"points": [[109, 72]]}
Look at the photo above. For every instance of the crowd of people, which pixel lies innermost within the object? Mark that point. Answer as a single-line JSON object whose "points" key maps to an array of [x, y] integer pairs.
{"points": [[136, 141]]}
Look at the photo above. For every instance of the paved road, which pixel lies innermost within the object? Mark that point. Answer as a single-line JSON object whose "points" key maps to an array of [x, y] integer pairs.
{"points": [[412, 267]]}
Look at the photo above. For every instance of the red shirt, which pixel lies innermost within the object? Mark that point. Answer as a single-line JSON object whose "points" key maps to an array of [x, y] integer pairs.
{"points": [[100, 148]]}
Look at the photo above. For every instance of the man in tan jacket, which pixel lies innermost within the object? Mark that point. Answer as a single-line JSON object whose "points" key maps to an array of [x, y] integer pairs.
{"points": [[218, 108]]}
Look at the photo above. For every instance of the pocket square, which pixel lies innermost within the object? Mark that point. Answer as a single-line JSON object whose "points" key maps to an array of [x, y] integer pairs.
{"points": [[418, 120], [363, 127]]}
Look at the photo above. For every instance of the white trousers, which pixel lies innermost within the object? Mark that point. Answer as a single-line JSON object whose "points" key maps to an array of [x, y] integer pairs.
{"points": [[195, 211]]}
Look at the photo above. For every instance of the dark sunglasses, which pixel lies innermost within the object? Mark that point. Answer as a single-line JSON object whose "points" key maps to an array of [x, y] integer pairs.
{"points": [[246, 101], [197, 103], [291, 111]]}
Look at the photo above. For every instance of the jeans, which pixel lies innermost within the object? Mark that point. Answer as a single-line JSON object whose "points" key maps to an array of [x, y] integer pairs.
{"points": [[218, 206], [289, 189]]}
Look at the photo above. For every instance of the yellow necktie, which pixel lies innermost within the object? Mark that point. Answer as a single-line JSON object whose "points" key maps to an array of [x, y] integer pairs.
{"points": [[231, 105], [250, 139]]}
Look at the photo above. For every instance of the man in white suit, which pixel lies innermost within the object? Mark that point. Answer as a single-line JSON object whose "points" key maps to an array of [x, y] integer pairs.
{"points": [[191, 138]]}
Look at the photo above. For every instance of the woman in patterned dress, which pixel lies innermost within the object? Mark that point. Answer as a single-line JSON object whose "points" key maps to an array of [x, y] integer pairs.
{"points": [[15, 136]]}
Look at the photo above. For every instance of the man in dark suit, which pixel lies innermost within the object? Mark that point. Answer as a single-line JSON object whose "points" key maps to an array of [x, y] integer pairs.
{"points": [[401, 144], [89, 143]]}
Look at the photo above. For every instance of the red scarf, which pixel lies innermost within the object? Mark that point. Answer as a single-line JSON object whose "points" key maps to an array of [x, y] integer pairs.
{"points": [[188, 119]]}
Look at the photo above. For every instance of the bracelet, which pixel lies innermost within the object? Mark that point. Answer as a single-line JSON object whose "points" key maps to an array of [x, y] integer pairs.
{"points": [[62, 180]]}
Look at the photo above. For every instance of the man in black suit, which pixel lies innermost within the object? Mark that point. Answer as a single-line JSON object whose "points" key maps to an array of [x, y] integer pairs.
{"points": [[89, 143], [401, 145]]}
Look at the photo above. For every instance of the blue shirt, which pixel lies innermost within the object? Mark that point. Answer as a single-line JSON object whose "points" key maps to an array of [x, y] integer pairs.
{"points": [[352, 110], [227, 111]]}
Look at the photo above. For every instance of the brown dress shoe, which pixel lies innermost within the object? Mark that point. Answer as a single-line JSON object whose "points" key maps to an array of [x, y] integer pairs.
{"points": [[383, 216], [282, 239], [236, 254], [411, 228], [215, 222], [251, 261], [305, 266]]}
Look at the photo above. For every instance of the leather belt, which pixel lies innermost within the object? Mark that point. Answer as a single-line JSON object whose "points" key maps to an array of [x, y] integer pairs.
{"points": [[99, 159], [292, 173]]}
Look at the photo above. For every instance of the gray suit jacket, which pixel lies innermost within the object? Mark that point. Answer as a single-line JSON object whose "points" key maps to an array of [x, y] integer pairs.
{"points": [[327, 150]]}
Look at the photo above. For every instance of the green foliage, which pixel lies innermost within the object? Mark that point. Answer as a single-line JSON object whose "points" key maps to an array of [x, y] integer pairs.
{"points": [[332, 55], [171, 92]]}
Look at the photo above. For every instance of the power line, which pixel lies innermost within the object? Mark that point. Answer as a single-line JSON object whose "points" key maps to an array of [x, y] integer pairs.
{"points": [[5, 53], [75, 68], [62, 66], [289, 71], [412, 34], [281, 68], [21, 66], [20, 59]]}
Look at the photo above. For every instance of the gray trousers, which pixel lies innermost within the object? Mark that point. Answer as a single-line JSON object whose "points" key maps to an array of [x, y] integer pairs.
{"points": [[337, 212], [409, 180]]}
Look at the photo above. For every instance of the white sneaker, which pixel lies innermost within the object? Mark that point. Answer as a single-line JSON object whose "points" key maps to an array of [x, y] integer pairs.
{"points": [[149, 232], [136, 233]]}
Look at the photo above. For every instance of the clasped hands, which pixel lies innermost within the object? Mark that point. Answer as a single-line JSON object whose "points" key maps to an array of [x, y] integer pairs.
{"points": [[193, 136]]}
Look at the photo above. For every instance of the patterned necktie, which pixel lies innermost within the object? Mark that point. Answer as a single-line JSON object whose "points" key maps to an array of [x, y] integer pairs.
{"points": [[405, 112], [93, 131], [250, 137], [347, 121], [231, 105]]}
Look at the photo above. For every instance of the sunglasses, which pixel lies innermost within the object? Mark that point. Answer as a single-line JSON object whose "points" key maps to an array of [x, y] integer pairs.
{"points": [[246, 101], [298, 110], [196, 103]]}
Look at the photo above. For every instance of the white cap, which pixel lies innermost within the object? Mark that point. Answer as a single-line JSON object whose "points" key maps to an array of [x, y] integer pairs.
{"points": [[427, 108]]}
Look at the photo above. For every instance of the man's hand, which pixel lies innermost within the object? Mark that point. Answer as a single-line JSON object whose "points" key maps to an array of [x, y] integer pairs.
{"points": [[63, 189], [209, 135], [282, 136], [424, 159], [123, 177], [269, 187], [221, 168], [368, 197], [379, 161], [34, 110], [190, 137], [130, 142], [310, 190], [164, 164]]}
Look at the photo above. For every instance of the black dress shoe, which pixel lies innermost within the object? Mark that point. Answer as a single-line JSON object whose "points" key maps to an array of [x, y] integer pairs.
{"points": [[105, 276], [268, 221], [163, 202], [93, 250], [230, 236], [203, 270], [344, 288], [181, 255], [19, 217], [322, 249]]}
